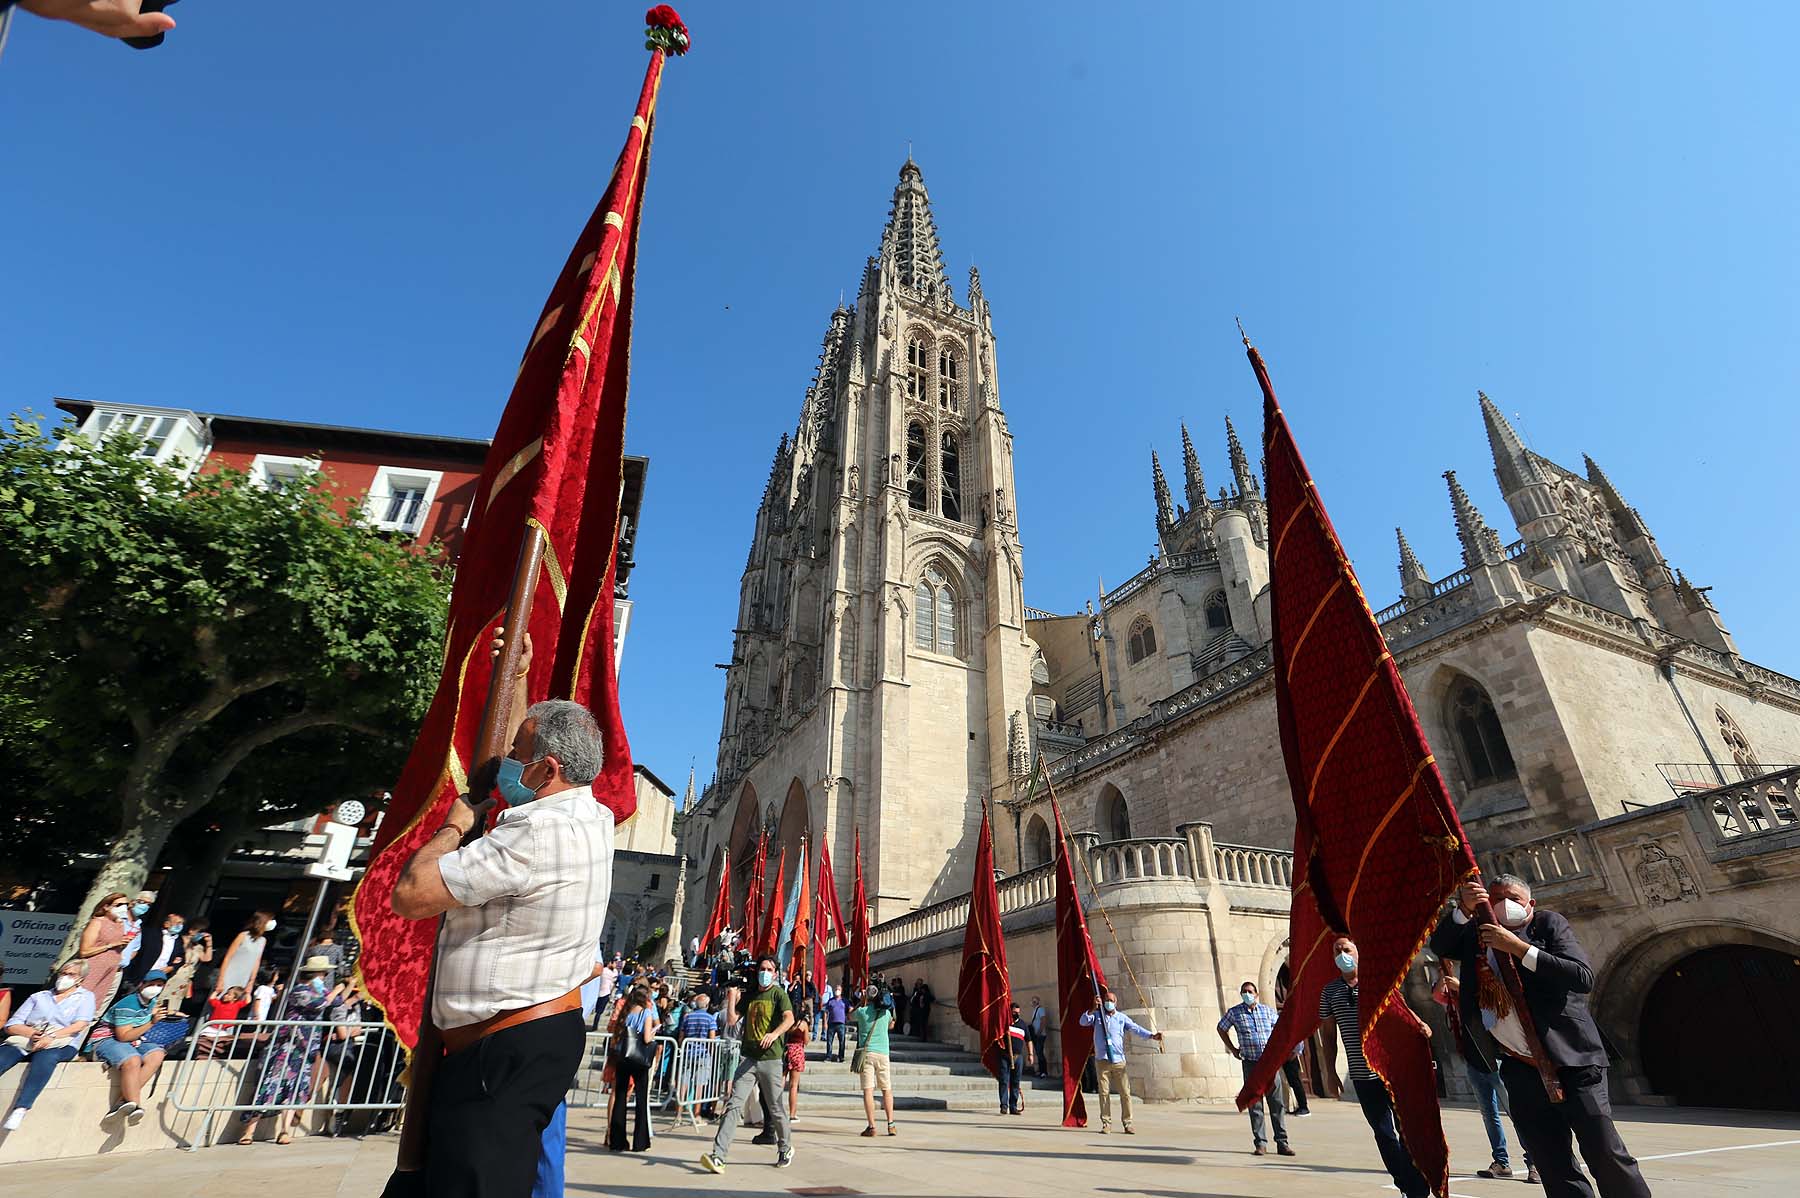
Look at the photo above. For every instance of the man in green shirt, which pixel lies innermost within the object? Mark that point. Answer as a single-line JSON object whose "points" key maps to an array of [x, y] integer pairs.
{"points": [[872, 1021], [767, 1015]]}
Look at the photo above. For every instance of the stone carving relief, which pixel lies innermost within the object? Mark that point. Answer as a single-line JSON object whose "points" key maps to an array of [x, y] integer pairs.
{"points": [[1663, 876]]}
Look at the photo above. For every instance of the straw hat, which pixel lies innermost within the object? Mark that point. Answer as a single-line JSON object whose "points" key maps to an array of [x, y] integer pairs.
{"points": [[316, 965]]}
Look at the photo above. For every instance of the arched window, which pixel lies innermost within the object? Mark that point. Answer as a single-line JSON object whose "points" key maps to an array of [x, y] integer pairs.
{"points": [[758, 688], [918, 365], [924, 615], [915, 467], [1037, 848], [1142, 642], [1478, 735], [1737, 743], [949, 379], [1112, 818], [950, 479], [934, 624], [1218, 612]]}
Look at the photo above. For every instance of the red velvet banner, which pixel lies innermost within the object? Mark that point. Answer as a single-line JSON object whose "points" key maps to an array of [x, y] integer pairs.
{"points": [[753, 897], [1079, 977], [721, 909], [770, 940], [557, 461], [859, 928], [1377, 845], [983, 993], [828, 896]]}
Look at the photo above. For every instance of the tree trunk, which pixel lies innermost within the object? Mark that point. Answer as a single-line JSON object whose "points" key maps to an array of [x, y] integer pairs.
{"points": [[126, 868]]}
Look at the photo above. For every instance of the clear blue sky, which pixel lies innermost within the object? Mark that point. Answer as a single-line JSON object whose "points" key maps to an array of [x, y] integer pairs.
{"points": [[351, 214]]}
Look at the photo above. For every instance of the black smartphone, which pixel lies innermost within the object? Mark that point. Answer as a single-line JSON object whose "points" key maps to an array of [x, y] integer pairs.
{"points": [[146, 43]]}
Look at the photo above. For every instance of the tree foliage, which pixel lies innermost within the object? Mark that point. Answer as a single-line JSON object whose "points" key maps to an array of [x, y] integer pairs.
{"points": [[182, 643]]}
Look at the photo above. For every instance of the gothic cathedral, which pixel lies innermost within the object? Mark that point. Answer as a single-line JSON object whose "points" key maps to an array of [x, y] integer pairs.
{"points": [[880, 656]]}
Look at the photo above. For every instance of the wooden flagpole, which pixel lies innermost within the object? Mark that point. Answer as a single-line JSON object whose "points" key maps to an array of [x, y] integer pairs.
{"points": [[491, 743]]}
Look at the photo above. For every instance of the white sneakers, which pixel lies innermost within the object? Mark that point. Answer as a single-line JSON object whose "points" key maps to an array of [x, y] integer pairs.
{"points": [[13, 1120]]}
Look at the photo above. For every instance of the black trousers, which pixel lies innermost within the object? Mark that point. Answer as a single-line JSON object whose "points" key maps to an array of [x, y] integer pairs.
{"points": [[1544, 1128], [1378, 1109], [490, 1104], [637, 1076], [1290, 1068]]}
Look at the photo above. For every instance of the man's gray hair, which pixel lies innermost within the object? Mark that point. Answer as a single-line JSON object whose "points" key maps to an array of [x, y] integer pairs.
{"points": [[1511, 882], [567, 732]]}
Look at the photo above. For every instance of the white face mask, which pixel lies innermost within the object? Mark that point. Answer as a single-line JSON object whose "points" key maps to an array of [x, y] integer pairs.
{"points": [[151, 991], [1513, 913], [119, 912], [269, 927], [65, 982]]}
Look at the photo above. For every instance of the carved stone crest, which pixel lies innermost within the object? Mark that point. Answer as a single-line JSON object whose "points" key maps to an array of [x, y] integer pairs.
{"points": [[1663, 876]]}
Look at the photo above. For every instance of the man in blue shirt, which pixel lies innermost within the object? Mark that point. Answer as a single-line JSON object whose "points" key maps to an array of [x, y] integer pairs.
{"points": [[1110, 1025], [1254, 1022]]}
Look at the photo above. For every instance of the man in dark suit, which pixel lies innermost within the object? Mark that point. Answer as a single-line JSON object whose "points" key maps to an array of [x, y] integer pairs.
{"points": [[161, 947], [1556, 978]]}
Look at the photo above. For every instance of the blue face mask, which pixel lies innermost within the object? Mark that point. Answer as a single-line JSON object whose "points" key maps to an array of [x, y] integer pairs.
{"points": [[1111, 1006], [1345, 963], [1249, 997], [139, 908], [174, 929], [318, 985], [765, 978], [511, 782]]}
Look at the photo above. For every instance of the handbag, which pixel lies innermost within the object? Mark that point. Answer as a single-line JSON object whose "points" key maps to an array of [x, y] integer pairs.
{"points": [[635, 1048], [857, 1059]]}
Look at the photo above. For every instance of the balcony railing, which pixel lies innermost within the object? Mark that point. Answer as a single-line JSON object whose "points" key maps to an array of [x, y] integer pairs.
{"points": [[1190, 857]]}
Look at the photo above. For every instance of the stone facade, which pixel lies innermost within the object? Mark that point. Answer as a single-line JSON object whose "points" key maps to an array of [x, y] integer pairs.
{"points": [[1571, 682], [646, 868], [880, 648]]}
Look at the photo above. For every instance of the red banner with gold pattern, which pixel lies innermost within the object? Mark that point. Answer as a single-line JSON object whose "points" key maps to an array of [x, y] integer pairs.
{"points": [[1377, 845], [983, 991], [1079, 978], [557, 463]]}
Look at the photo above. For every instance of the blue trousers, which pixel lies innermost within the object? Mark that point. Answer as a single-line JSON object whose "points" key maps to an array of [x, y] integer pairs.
{"points": [[834, 1032], [1012, 1069], [39, 1066], [551, 1150], [1487, 1095]]}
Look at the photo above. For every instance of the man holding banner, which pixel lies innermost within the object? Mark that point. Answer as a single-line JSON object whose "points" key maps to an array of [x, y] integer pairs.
{"points": [[523, 908]]}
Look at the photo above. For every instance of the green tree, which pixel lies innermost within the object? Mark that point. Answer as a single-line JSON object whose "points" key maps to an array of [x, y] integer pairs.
{"points": [[176, 631]]}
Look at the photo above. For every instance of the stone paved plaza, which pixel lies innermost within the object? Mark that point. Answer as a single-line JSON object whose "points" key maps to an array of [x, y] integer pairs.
{"points": [[1180, 1151]]}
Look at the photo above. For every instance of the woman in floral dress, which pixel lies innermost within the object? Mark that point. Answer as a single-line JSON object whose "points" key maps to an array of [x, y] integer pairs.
{"points": [[287, 1074]]}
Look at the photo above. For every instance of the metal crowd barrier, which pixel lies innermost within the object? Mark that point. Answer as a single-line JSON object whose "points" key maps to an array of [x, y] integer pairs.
{"points": [[247, 1067], [256, 1067]]}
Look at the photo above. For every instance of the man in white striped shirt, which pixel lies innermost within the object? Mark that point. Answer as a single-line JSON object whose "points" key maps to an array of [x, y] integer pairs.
{"points": [[523, 908]]}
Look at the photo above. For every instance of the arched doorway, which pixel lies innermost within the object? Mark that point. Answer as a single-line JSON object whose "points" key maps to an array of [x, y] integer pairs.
{"points": [[1112, 818], [1760, 989], [796, 822], [1038, 845], [746, 826]]}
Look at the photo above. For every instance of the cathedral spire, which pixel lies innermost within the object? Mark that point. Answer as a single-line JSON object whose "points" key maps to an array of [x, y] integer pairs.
{"points": [[1480, 544], [688, 800], [1630, 523], [910, 238], [1412, 571], [1514, 466], [1165, 506], [1240, 462], [1196, 479]]}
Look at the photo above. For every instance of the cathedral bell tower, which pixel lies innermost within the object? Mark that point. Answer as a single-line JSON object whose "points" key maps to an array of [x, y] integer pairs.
{"points": [[880, 648]]}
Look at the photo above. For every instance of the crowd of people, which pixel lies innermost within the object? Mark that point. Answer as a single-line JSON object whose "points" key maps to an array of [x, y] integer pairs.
{"points": [[142, 983]]}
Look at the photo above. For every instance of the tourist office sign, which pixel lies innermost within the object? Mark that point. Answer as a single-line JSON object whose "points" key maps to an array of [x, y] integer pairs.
{"points": [[30, 942]]}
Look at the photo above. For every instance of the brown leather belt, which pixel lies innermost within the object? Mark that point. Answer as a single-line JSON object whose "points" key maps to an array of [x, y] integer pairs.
{"points": [[458, 1038]]}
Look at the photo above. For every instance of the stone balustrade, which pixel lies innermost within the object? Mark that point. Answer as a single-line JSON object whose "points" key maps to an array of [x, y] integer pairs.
{"points": [[1190, 856], [1755, 815], [1140, 858], [1246, 865]]}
